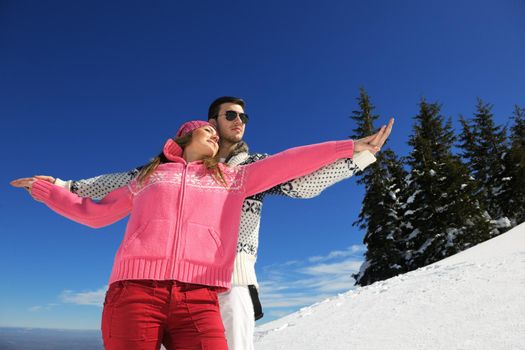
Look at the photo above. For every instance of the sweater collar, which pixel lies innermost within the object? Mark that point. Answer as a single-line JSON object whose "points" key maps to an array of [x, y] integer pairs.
{"points": [[173, 151]]}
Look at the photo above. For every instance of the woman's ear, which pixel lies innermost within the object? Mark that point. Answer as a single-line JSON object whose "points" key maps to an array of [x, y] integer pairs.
{"points": [[172, 150]]}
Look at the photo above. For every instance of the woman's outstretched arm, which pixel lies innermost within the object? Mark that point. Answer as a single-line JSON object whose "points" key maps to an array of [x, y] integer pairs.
{"points": [[113, 207], [299, 161]]}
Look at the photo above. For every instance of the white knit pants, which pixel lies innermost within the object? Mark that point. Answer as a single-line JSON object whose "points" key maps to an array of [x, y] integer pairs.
{"points": [[237, 315]]}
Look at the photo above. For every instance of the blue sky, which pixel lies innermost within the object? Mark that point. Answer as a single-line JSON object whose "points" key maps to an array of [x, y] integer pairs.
{"points": [[95, 87]]}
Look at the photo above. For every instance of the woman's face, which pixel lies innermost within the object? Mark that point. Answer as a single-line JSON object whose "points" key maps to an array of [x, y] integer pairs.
{"points": [[204, 142]]}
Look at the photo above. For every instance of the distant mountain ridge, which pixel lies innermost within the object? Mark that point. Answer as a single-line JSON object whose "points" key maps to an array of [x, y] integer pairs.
{"points": [[49, 339]]}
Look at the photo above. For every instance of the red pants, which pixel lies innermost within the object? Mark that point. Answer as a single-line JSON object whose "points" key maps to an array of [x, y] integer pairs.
{"points": [[145, 314]]}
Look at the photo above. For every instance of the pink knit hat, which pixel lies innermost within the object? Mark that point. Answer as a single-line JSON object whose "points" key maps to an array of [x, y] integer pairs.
{"points": [[172, 150], [190, 126]]}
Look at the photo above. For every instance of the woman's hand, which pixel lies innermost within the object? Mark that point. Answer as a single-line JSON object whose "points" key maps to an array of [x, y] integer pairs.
{"points": [[373, 143], [27, 182]]}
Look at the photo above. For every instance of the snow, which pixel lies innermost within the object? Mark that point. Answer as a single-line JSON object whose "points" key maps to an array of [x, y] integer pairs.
{"points": [[502, 222], [414, 234], [413, 196], [425, 245], [451, 236], [472, 300]]}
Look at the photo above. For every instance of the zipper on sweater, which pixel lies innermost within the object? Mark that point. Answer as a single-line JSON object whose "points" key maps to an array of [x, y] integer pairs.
{"points": [[178, 225]]}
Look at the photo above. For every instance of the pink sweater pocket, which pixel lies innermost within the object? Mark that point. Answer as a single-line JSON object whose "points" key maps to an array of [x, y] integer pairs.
{"points": [[202, 244], [149, 240]]}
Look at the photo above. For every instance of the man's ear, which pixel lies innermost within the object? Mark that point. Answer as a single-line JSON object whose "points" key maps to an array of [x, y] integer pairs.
{"points": [[213, 122]]}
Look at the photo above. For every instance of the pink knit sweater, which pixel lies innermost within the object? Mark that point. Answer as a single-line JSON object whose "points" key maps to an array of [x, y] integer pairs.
{"points": [[183, 224]]}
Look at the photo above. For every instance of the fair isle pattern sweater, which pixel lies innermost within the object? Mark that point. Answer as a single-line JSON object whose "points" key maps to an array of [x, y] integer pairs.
{"points": [[304, 187]]}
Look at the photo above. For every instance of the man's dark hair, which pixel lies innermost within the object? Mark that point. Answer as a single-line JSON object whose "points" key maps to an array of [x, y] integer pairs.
{"points": [[215, 106]]}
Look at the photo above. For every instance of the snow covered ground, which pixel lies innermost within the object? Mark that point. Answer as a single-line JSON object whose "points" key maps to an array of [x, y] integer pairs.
{"points": [[472, 300]]}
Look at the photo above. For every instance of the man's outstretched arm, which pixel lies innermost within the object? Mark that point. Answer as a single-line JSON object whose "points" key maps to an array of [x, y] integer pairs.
{"points": [[311, 185], [99, 186]]}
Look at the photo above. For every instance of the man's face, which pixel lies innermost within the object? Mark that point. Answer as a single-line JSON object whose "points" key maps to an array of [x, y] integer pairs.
{"points": [[231, 131]]}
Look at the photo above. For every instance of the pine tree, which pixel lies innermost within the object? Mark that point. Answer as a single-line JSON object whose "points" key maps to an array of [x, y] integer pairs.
{"points": [[442, 214], [379, 215], [484, 145], [512, 196], [364, 117]]}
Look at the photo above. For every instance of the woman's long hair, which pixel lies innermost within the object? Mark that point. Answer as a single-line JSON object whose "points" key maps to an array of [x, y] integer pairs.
{"points": [[211, 163]]}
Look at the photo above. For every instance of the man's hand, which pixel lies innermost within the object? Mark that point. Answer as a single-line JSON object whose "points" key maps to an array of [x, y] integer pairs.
{"points": [[373, 143]]}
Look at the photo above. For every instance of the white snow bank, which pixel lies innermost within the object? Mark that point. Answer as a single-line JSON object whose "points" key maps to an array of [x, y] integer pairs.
{"points": [[472, 300]]}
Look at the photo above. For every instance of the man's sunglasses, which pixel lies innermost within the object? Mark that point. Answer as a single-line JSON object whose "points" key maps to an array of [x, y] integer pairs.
{"points": [[231, 115]]}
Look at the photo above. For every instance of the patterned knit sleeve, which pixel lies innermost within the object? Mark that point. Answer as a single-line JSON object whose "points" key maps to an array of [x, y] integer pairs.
{"points": [[99, 186], [292, 163], [313, 184]]}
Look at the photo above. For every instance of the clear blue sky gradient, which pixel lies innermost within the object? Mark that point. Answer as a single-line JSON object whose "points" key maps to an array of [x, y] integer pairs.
{"points": [[97, 86]]}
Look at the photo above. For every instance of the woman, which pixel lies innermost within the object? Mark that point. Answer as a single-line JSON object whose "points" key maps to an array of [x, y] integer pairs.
{"points": [[179, 245]]}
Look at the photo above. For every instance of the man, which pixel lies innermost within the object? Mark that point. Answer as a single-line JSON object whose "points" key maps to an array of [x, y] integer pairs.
{"points": [[240, 306]]}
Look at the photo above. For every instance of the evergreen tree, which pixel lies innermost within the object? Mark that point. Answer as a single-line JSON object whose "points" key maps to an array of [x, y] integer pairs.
{"points": [[364, 117], [379, 215], [512, 196], [442, 214], [484, 145]]}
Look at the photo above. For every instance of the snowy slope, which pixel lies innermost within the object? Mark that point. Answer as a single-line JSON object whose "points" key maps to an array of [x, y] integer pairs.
{"points": [[472, 300]]}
